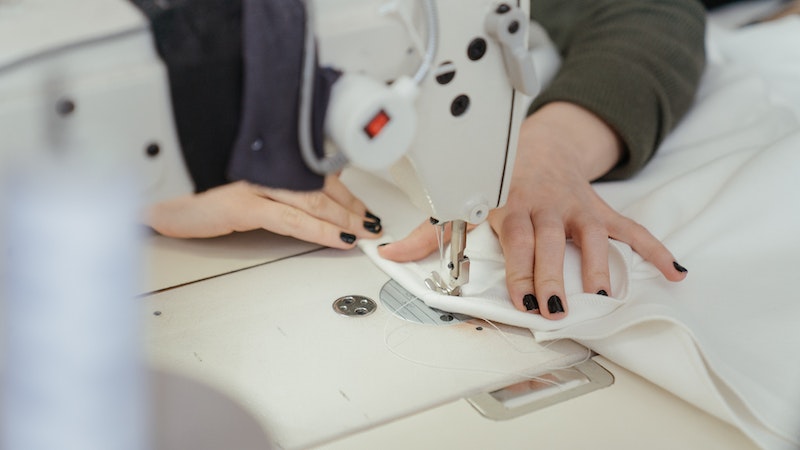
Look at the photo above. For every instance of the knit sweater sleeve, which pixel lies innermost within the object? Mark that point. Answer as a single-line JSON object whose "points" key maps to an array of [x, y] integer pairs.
{"points": [[634, 63]]}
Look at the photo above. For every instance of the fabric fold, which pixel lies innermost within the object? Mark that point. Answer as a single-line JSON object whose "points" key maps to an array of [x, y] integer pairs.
{"points": [[721, 193]]}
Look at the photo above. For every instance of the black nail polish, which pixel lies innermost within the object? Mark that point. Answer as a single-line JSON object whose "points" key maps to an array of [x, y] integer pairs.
{"points": [[433, 221], [554, 305], [347, 237], [602, 292], [679, 267], [373, 227], [375, 218], [381, 245], [530, 302]]}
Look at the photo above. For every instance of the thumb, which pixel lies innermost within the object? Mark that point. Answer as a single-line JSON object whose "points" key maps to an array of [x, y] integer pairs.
{"points": [[417, 245]]}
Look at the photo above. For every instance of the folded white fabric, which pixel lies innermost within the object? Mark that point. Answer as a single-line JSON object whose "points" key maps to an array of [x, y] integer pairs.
{"points": [[722, 195], [486, 296]]}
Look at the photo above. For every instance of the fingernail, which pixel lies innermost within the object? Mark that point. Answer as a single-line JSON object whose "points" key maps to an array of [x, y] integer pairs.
{"points": [[530, 302], [373, 227], [554, 305], [381, 245], [347, 237], [602, 292], [679, 267], [369, 215]]}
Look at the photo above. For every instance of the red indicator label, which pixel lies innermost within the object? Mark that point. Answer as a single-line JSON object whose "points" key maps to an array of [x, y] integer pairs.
{"points": [[377, 123]]}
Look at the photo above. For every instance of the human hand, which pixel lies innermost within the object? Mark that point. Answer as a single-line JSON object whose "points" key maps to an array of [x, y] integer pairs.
{"points": [[333, 216], [562, 148]]}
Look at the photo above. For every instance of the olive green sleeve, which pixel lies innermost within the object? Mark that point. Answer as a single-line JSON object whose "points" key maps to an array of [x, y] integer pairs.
{"points": [[634, 63]]}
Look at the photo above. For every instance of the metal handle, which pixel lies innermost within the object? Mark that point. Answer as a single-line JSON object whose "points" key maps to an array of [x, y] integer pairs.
{"points": [[546, 390]]}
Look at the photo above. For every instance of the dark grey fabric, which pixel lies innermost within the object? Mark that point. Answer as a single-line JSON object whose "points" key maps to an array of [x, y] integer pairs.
{"points": [[200, 44], [234, 70], [267, 150]]}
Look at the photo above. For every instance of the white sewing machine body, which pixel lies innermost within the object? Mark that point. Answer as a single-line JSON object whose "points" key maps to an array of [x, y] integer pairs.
{"points": [[240, 313], [94, 87], [459, 164]]}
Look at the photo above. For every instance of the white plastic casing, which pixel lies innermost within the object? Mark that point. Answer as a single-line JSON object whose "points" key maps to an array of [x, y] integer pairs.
{"points": [[356, 100], [458, 164]]}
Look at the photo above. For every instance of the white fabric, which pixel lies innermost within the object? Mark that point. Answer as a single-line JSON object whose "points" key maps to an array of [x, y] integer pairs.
{"points": [[722, 195]]}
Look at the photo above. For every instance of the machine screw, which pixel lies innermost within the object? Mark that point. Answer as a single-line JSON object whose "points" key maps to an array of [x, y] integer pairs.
{"points": [[459, 106], [65, 107], [446, 73], [153, 150], [476, 49], [445, 77], [354, 305]]}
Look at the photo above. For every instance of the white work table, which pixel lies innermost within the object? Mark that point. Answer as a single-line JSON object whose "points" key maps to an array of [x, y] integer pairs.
{"points": [[251, 316]]}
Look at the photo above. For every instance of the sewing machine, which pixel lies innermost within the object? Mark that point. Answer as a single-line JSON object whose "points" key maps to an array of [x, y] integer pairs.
{"points": [[472, 70], [445, 128], [239, 314]]}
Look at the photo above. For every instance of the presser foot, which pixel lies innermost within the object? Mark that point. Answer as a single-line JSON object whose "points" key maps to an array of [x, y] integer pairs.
{"points": [[437, 284]]}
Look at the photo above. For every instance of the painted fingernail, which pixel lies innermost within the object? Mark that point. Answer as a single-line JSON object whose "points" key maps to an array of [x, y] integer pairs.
{"points": [[433, 221], [373, 227], [347, 237], [679, 267], [375, 218], [530, 302], [602, 292], [554, 305], [381, 245]]}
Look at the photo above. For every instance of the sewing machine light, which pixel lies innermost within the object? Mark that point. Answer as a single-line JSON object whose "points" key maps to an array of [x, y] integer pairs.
{"points": [[374, 127], [372, 123]]}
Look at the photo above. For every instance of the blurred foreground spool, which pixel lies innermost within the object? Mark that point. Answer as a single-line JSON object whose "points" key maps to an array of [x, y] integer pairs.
{"points": [[72, 371]]}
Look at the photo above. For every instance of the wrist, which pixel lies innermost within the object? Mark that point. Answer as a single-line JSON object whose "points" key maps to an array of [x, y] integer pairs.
{"points": [[577, 134]]}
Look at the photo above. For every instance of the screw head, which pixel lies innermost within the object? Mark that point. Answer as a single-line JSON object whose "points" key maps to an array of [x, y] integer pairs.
{"points": [[459, 106], [152, 149], [476, 49], [65, 107]]}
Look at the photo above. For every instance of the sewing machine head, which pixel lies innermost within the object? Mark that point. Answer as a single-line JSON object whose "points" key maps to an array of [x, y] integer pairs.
{"points": [[457, 123]]}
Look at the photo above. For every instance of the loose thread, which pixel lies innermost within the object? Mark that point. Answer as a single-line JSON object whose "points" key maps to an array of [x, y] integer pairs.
{"points": [[549, 365]]}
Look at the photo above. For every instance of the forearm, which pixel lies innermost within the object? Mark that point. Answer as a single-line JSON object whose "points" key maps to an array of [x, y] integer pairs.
{"points": [[593, 148], [635, 64]]}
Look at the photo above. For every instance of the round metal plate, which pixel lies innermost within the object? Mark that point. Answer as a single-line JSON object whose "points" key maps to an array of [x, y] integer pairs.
{"points": [[354, 305], [409, 307]]}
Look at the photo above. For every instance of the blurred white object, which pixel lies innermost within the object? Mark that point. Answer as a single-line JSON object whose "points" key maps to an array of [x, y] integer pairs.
{"points": [[85, 78], [73, 375]]}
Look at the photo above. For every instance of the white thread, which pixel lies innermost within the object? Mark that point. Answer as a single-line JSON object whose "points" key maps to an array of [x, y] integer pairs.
{"points": [[547, 365]]}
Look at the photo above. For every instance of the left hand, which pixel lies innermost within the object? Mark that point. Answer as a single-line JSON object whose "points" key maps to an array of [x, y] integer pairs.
{"points": [[562, 148], [333, 216]]}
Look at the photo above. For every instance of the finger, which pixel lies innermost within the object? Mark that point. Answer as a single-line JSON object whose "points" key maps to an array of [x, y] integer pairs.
{"points": [[592, 238], [323, 207], [289, 221], [515, 233], [548, 265], [649, 247], [185, 217], [418, 244], [336, 190]]}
